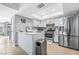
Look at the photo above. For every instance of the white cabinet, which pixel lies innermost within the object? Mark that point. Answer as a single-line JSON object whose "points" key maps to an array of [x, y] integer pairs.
{"points": [[36, 23], [27, 41], [42, 23], [39, 23]]}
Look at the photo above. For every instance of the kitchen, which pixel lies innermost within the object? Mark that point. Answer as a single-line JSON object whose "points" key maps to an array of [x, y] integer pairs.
{"points": [[46, 29]]}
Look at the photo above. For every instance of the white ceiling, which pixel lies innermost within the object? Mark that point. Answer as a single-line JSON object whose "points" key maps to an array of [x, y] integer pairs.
{"points": [[51, 11], [70, 8], [15, 6], [29, 9], [6, 13]]}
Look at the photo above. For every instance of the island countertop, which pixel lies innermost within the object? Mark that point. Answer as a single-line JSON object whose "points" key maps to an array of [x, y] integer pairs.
{"points": [[27, 41], [32, 33]]}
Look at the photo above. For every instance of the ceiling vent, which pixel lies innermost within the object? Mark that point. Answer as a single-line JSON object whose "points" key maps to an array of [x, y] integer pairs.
{"points": [[41, 5]]}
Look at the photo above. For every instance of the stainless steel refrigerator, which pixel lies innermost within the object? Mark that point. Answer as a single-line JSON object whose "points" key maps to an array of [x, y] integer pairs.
{"points": [[74, 32], [63, 34], [70, 34]]}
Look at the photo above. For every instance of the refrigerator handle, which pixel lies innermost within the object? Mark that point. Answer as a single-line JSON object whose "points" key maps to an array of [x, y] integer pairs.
{"points": [[68, 27]]}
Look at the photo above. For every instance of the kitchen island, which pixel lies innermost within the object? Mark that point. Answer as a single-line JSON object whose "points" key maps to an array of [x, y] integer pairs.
{"points": [[27, 41]]}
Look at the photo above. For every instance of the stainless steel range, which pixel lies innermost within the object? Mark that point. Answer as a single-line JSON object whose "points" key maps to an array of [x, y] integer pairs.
{"points": [[49, 34]]}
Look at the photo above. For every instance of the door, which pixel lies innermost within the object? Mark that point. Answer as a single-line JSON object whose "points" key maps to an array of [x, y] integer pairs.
{"points": [[61, 40], [71, 42], [65, 41], [75, 42]]}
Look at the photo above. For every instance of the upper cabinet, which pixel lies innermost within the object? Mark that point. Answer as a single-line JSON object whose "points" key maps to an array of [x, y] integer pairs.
{"points": [[36, 23]]}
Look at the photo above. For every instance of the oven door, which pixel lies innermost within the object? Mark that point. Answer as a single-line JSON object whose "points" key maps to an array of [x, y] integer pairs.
{"points": [[49, 36]]}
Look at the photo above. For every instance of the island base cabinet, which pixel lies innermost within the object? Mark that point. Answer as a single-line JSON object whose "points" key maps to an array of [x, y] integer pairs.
{"points": [[27, 41]]}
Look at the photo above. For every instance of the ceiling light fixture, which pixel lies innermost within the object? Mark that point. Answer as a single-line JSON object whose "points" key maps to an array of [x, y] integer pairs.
{"points": [[41, 5], [52, 11]]}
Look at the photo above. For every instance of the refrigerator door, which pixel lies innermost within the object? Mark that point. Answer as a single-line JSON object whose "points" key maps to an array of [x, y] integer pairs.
{"points": [[71, 27], [70, 32], [61, 40], [76, 26], [75, 32], [71, 42], [75, 42], [65, 41]]}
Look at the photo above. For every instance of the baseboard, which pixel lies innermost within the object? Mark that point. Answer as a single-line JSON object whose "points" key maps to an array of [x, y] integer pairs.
{"points": [[69, 47]]}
